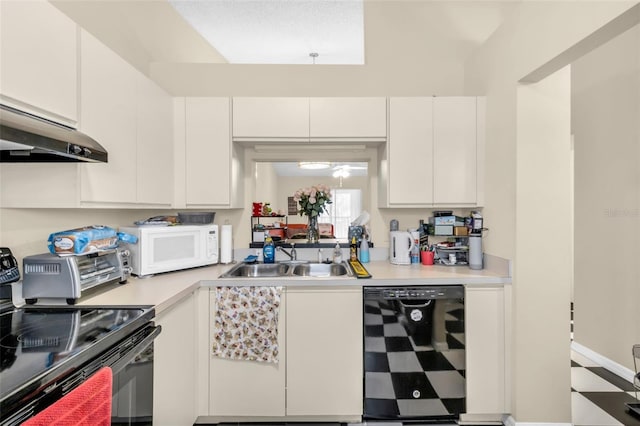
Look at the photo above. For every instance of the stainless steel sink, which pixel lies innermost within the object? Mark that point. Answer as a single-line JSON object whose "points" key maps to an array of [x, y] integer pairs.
{"points": [[288, 269], [321, 270], [256, 270]]}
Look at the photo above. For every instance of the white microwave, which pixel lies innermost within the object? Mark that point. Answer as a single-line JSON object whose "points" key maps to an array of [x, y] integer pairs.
{"points": [[172, 248]]}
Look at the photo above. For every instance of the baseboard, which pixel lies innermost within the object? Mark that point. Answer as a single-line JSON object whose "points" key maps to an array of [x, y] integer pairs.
{"points": [[603, 361], [510, 421]]}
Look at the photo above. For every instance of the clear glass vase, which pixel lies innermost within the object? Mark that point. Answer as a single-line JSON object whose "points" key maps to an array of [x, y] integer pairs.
{"points": [[313, 236]]}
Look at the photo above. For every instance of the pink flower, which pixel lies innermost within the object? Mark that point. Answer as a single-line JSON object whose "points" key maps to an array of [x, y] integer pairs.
{"points": [[312, 200]]}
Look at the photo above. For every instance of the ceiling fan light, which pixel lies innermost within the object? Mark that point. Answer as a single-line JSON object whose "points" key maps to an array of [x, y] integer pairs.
{"points": [[313, 165]]}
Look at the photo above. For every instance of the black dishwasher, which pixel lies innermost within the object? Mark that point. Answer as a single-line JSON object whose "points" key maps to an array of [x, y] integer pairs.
{"points": [[414, 353]]}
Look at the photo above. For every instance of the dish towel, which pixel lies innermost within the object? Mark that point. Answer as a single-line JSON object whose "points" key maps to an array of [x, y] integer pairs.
{"points": [[87, 405], [246, 323]]}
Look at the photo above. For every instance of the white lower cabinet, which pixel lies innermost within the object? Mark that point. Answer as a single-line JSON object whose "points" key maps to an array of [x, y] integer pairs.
{"points": [[320, 367], [485, 329], [174, 390], [248, 388], [324, 351]]}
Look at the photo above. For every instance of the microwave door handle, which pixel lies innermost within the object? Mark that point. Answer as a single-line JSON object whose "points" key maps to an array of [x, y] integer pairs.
{"points": [[117, 366]]}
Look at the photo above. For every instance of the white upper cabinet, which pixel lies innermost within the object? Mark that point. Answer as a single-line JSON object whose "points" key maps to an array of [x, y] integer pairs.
{"points": [[108, 111], [212, 167], [410, 151], [280, 120], [277, 119], [132, 118], [348, 118], [154, 144], [435, 153], [39, 60], [454, 150]]}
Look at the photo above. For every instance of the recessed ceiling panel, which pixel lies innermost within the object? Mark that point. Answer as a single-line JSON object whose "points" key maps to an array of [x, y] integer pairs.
{"points": [[280, 31]]}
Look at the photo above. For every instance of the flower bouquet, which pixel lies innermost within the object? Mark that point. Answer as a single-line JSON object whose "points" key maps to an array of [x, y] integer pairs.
{"points": [[312, 203]]}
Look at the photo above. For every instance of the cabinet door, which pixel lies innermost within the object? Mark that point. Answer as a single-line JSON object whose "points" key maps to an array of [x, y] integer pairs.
{"points": [[154, 144], [454, 150], [108, 111], [324, 351], [346, 118], [248, 388], [410, 152], [485, 350], [174, 397], [39, 59], [208, 152], [271, 119]]}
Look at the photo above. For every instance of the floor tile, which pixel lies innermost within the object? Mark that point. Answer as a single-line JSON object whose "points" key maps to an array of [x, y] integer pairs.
{"points": [[613, 404], [374, 344], [456, 357], [583, 360], [394, 329], [447, 384], [416, 407], [583, 380], [372, 319], [612, 378], [403, 362], [379, 386], [585, 413]]}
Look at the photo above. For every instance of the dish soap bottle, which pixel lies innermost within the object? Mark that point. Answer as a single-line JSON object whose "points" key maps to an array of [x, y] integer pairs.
{"points": [[364, 250], [337, 254], [353, 249], [269, 249]]}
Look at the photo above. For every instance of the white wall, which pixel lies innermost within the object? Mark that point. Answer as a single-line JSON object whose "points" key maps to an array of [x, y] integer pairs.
{"points": [[538, 33], [25, 231], [606, 116]]}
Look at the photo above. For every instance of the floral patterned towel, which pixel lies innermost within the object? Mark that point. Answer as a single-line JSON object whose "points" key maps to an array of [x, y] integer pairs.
{"points": [[246, 323]]}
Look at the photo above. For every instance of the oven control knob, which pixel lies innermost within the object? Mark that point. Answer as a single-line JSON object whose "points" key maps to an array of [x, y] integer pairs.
{"points": [[125, 253], [127, 270]]}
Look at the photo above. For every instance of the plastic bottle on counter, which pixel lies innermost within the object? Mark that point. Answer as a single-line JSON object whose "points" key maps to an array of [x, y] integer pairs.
{"points": [[269, 249], [353, 249], [337, 254], [364, 250], [415, 249]]}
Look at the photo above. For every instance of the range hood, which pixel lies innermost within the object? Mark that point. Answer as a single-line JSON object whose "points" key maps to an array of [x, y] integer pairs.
{"points": [[26, 138]]}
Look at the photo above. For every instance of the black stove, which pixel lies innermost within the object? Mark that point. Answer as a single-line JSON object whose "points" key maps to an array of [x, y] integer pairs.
{"points": [[44, 346]]}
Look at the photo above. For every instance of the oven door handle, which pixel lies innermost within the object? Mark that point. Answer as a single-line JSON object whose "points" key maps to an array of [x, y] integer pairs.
{"points": [[119, 365]]}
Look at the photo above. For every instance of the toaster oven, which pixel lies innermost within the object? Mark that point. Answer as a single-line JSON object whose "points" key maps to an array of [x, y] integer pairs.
{"points": [[68, 277]]}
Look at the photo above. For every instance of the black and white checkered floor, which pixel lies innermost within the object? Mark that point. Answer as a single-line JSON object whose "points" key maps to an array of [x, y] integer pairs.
{"points": [[598, 396], [404, 375]]}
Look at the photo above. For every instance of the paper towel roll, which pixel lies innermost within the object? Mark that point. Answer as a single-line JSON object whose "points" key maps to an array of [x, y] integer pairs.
{"points": [[226, 244]]}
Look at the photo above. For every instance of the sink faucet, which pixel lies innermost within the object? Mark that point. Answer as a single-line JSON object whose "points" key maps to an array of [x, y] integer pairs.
{"points": [[293, 255]]}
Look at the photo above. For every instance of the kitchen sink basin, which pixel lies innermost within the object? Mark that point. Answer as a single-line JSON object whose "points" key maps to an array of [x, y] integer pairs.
{"points": [[257, 270], [287, 269], [321, 270]]}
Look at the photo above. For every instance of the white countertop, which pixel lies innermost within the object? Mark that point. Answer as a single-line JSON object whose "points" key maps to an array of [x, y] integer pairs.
{"points": [[163, 290]]}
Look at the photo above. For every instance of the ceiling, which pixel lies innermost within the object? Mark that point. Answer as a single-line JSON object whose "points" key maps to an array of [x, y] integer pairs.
{"points": [[416, 39], [279, 32]]}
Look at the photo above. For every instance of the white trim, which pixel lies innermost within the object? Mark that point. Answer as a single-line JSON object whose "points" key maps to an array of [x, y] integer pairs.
{"points": [[603, 361], [510, 421]]}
